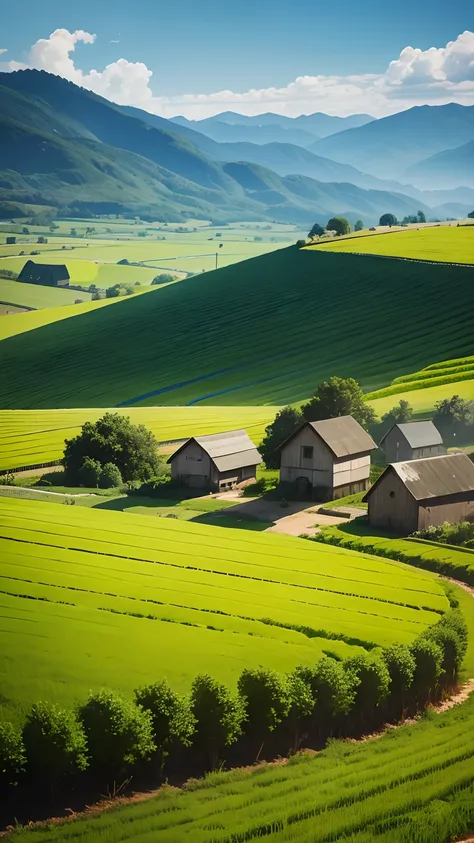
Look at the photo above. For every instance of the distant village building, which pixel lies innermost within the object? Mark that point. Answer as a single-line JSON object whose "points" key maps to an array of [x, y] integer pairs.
{"points": [[10, 241], [215, 462], [412, 441], [327, 459], [423, 493], [45, 274]]}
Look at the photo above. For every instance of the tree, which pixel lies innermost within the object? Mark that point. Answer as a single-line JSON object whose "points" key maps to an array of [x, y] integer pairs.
{"points": [[370, 680], [114, 439], [110, 477], [219, 717], [332, 693], [428, 658], [55, 742], [359, 226], [339, 397], [284, 424], [266, 701], [12, 755], [25, 230], [171, 716], [388, 219], [399, 414], [316, 231], [339, 224], [420, 216], [454, 418], [401, 667], [301, 704], [471, 215], [119, 733], [89, 473], [163, 278]]}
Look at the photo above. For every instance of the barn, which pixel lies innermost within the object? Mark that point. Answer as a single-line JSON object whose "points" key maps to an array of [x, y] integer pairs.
{"points": [[423, 493], [215, 462], [45, 274], [327, 459], [10, 241], [412, 441]]}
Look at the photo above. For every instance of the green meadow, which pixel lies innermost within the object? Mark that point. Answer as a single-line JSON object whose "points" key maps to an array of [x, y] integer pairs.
{"points": [[445, 243], [36, 297]]}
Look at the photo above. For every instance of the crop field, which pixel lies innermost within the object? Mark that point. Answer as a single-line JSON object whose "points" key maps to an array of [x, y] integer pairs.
{"points": [[36, 297], [176, 598], [85, 272], [424, 388], [270, 339], [413, 785], [444, 243], [32, 437]]}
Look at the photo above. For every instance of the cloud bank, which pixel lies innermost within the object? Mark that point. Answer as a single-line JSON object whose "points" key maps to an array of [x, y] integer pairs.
{"points": [[416, 77]]}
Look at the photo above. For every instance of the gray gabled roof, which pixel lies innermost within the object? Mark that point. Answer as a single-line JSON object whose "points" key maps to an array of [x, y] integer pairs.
{"points": [[433, 477], [344, 436], [422, 434], [228, 451]]}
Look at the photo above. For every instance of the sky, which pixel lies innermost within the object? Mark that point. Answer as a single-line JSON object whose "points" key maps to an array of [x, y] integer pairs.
{"points": [[200, 58]]}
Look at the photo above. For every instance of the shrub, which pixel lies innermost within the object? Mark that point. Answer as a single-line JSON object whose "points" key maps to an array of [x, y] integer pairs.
{"points": [[119, 733], [12, 755], [54, 741], [89, 472], [451, 635], [332, 692], [370, 679], [338, 224], [266, 700], [428, 667], [171, 716], [163, 278], [218, 716], [110, 476]]}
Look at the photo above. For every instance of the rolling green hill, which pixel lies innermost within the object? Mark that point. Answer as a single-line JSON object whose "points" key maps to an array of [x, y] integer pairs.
{"points": [[263, 331]]}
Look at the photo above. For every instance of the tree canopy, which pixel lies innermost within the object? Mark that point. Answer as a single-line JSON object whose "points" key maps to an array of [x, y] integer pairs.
{"points": [[316, 231], [339, 224], [339, 397], [388, 219], [359, 226], [471, 215], [454, 418], [284, 424], [399, 414]]}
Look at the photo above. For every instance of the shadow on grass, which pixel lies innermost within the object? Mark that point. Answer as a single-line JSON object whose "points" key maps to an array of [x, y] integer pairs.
{"points": [[360, 527], [225, 519]]}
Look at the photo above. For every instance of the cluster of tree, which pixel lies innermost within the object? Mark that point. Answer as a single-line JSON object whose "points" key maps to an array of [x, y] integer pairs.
{"points": [[461, 533], [338, 224], [109, 735], [9, 273], [111, 451], [412, 219], [471, 215], [119, 290], [454, 418], [163, 278]]}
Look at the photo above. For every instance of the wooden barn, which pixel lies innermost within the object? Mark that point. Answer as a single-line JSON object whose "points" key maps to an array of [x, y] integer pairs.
{"points": [[412, 441], [327, 459], [45, 274], [423, 493], [215, 462]]}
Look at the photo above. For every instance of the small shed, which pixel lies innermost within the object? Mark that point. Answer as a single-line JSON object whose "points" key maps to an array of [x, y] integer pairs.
{"points": [[10, 241], [412, 441], [423, 493], [45, 274], [327, 459], [215, 462]]}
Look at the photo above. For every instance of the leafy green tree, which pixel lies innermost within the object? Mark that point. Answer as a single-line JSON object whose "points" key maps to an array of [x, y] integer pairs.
{"points": [[172, 719], [163, 278], [110, 476], [316, 231], [89, 473], [388, 219], [339, 224], [114, 439], [428, 667], [54, 742], [284, 424], [332, 693], [370, 680], [219, 717], [12, 755], [454, 418], [359, 226], [266, 700], [420, 217], [301, 706], [401, 667], [119, 733], [451, 635], [471, 215], [339, 397], [399, 414]]}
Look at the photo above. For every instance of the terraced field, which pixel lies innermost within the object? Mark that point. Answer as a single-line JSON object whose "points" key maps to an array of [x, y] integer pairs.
{"points": [[270, 339], [33, 437], [444, 243], [427, 386], [94, 598], [36, 297]]}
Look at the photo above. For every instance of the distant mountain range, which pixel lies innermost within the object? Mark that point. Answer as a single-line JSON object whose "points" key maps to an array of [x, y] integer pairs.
{"points": [[67, 148]]}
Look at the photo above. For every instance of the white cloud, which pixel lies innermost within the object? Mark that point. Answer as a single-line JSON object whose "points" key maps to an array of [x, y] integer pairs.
{"points": [[436, 75], [3, 51]]}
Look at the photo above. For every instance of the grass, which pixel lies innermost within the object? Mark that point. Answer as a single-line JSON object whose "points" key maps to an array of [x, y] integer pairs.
{"points": [[348, 500], [423, 400], [85, 272], [444, 243], [270, 339], [91, 598], [36, 297], [33, 437]]}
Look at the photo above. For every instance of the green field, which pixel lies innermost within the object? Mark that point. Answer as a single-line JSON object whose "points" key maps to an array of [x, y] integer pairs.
{"points": [[423, 400], [36, 297], [413, 785], [32, 437], [284, 322], [439, 243], [424, 388], [172, 598], [84, 272]]}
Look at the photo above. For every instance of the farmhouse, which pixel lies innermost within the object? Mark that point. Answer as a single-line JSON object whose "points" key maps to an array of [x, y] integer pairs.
{"points": [[327, 459], [412, 441], [217, 461], [413, 495], [10, 241], [45, 274]]}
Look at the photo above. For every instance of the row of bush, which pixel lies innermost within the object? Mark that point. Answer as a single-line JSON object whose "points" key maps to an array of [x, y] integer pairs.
{"points": [[109, 736], [460, 534]]}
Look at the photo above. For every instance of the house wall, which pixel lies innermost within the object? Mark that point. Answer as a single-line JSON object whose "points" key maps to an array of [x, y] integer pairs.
{"points": [[432, 451], [391, 507], [192, 467], [318, 470], [397, 449], [351, 475], [434, 514]]}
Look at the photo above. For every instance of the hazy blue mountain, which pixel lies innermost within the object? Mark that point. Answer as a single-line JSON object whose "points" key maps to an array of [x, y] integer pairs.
{"points": [[318, 125], [243, 133], [446, 169], [388, 147]]}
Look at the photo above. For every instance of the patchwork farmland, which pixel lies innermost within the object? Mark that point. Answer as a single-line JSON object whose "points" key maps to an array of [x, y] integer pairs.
{"points": [[69, 574], [262, 347]]}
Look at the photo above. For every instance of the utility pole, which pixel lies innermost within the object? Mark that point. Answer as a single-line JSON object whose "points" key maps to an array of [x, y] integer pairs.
{"points": [[217, 257]]}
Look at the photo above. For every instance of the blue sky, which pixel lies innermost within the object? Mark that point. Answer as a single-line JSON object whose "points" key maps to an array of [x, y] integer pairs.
{"points": [[207, 47]]}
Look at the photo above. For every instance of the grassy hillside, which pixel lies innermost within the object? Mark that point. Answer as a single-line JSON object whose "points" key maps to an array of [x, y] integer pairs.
{"points": [[36, 297], [444, 243], [223, 600], [31, 437], [273, 328], [449, 373]]}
